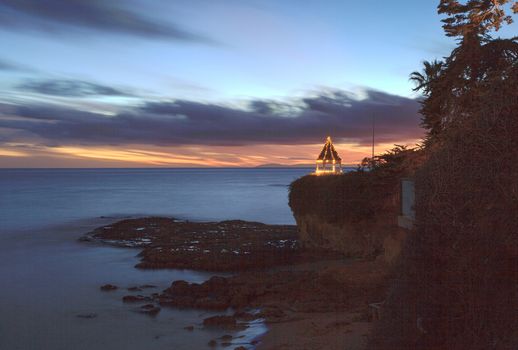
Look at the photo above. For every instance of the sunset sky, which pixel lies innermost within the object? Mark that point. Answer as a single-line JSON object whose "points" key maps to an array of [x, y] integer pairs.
{"points": [[95, 83]]}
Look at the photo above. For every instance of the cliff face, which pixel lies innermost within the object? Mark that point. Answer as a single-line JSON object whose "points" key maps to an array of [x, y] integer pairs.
{"points": [[355, 213], [361, 239], [352, 213]]}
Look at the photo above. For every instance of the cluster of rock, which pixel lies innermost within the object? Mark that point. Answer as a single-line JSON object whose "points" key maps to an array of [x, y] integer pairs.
{"points": [[278, 279], [272, 295], [212, 246]]}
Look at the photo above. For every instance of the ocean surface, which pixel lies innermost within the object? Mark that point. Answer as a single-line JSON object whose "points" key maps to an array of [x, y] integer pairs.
{"points": [[49, 279], [31, 198]]}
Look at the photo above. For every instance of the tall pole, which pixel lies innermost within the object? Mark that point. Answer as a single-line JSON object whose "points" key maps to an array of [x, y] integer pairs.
{"points": [[372, 158]]}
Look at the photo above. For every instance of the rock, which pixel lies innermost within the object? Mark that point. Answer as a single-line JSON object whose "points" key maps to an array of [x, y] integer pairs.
{"points": [[189, 328], [216, 282], [240, 348], [134, 289], [350, 239], [271, 313], [212, 343], [239, 300], [108, 287], [180, 302], [220, 321], [245, 316], [211, 295], [226, 337], [211, 304], [89, 315], [179, 288], [134, 298], [150, 309], [189, 245]]}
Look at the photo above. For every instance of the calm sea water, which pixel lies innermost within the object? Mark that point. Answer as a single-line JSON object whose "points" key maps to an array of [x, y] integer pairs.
{"points": [[49, 278], [32, 198]]}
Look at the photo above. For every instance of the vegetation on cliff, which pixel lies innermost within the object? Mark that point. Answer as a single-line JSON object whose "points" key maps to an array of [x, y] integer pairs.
{"points": [[357, 195], [456, 284]]}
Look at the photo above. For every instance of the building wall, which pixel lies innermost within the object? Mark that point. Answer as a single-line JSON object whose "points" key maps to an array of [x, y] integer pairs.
{"points": [[407, 215]]}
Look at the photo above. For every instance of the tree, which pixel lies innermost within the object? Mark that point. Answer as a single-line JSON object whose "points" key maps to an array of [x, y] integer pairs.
{"points": [[456, 285], [475, 18], [424, 80], [452, 87]]}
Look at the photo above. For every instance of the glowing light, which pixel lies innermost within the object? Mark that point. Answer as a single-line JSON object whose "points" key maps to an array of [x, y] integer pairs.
{"points": [[328, 162]]}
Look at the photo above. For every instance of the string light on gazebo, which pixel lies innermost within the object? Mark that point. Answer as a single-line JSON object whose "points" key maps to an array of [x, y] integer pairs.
{"points": [[328, 162]]}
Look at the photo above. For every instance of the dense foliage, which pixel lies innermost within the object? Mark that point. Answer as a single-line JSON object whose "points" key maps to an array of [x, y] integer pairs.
{"points": [[357, 195], [453, 87], [457, 282]]}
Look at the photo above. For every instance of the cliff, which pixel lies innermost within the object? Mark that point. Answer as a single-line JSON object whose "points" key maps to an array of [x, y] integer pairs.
{"points": [[355, 213], [347, 213]]}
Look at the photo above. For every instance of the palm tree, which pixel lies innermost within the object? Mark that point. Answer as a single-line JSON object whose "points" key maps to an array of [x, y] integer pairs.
{"points": [[424, 80]]}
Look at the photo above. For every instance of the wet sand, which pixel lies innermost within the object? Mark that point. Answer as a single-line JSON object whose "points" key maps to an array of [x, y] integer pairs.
{"points": [[330, 331]]}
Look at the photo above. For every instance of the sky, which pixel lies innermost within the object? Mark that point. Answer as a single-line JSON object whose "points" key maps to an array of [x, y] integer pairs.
{"points": [[97, 83]]}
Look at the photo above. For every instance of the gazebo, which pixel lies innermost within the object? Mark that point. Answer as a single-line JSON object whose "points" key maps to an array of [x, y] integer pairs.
{"points": [[328, 162]]}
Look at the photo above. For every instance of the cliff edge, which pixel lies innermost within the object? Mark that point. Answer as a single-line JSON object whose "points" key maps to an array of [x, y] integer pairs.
{"points": [[354, 213]]}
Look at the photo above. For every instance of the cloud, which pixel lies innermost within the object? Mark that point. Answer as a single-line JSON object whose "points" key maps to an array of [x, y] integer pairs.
{"points": [[11, 67], [181, 122], [58, 16], [7, 66], [70, 88]]}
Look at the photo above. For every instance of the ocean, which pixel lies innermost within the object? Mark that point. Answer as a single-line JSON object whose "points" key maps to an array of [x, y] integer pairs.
{"points": [[50, 297], [33, 198]]}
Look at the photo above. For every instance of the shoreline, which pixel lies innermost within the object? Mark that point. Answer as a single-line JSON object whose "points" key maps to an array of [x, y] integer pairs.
{"points": [[306, 296]]}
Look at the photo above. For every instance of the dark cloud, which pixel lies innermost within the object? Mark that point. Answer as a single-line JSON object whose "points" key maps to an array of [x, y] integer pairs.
{"points": [[181, 122], [9, 66], [58, 16], [71, 88]]}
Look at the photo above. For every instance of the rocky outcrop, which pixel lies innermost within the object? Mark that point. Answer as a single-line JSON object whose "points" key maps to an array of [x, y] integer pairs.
{"points": [[380, 239], [332, 289], [361, 239], [213, 246], [318, 282], [352, 214]]}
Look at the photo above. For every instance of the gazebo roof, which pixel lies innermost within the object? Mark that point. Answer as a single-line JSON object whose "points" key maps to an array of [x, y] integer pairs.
{"points": [[329, 153]]}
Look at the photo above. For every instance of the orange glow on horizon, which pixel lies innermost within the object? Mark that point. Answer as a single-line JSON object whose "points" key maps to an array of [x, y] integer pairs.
{"points": [[181, 156], [12, 153]]}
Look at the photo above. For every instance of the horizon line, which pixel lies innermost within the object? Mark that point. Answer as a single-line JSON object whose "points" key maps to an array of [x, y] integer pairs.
{"points": [[185, 167]]}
